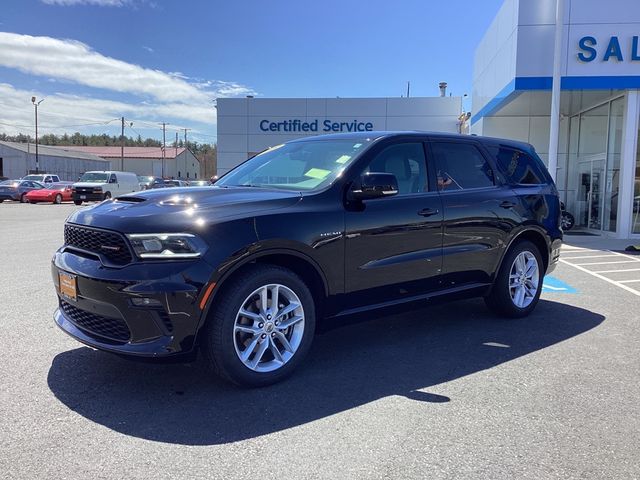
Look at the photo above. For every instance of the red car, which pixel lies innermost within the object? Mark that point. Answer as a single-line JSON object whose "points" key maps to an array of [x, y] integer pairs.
{"points": [[54, 193]]}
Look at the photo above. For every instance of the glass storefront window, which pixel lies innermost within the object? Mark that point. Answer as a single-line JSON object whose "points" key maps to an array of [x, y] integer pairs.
{"points": [[614, 150], [593, 166]]}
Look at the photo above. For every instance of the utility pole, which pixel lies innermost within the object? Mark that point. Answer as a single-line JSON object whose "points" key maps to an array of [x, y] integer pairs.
{"points": [[35, 104], [185, 137], [164, 144], [408, 86], [122, 147]]}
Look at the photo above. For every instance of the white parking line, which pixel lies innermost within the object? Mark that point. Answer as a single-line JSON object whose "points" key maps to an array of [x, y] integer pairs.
{"points": [[616, 271], [589, 256], [601, 277], [606, 263], [598, 274]]}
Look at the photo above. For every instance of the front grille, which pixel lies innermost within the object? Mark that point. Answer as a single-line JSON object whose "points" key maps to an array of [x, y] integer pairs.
{"points": [[114, 329], [111, 245], [84, 190], [166, 320]]}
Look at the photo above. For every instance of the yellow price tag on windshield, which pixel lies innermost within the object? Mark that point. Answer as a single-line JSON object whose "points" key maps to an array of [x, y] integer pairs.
{"points": [[318, 173], [343, 159]]}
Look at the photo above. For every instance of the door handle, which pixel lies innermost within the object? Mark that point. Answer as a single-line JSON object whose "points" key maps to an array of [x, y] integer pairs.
{"points": [[507, 204], [427, 212]]}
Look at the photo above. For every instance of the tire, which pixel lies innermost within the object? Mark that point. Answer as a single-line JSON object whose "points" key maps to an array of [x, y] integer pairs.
{"points": [[516, 300], [58, 199], [567, 221], [23, 198], [78, 202], [107, 196], [228, 335]]}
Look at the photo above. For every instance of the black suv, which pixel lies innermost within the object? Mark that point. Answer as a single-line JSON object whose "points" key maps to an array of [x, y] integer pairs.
{"points": [[316, 229]]}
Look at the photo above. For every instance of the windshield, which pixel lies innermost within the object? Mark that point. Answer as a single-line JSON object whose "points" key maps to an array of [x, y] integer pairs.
{"points": [[94, 177], [142, 178], [307, 165]]}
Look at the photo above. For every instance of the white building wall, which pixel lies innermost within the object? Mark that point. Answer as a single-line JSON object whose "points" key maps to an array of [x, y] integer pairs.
{"points": [[185, 163], [16, 164], [495, 57], [519, 44], [239, 119]]}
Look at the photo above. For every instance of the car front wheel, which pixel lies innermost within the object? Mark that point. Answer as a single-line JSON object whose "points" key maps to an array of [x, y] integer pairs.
{"points": [[516, 290], [261, 326]]}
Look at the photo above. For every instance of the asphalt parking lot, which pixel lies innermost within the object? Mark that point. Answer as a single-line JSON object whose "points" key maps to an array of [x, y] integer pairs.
{"points": [[448, 391]]}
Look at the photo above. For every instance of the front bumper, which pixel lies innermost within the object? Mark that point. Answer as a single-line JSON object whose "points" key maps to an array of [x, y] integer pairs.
{"points": [[103, 315], [88, 197], [9, 196]]}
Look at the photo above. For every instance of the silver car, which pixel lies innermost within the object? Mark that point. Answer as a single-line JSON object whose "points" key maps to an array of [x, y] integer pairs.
{"points": [[17, 189]]}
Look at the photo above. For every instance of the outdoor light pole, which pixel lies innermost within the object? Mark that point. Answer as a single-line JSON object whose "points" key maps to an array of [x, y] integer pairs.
{"points": [[35, 104]]}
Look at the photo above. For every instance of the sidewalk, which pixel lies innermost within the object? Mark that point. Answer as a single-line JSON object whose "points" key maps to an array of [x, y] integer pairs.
{"points": [[597, 242]]}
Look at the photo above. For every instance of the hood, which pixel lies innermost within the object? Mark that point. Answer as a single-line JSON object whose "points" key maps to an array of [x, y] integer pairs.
{"points": [[188, 209], [89, 184]]}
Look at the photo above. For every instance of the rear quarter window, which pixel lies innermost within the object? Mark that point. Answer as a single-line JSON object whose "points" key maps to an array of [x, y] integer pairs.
{"points": [[520, 167]]}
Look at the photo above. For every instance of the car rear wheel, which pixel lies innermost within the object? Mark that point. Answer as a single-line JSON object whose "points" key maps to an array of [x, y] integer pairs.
{"points": [[23, 198], [567, 221], [518, 283], [58, 199], [261, 327]]}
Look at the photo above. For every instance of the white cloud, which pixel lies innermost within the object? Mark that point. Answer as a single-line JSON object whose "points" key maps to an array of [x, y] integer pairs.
{"points": [[100, 3], [162, 95], [77, 62], [62, 112], [148, 49]]}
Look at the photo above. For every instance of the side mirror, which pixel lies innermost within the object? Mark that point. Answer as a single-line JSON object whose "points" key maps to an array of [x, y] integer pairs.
{"points": [[374, 185]]}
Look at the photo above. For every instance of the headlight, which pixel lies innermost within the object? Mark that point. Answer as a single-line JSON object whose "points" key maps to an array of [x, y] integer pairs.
{"points": [[167, 245]]}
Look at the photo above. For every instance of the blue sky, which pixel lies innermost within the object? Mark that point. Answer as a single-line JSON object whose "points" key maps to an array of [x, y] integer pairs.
{"points": [[154, 61]]}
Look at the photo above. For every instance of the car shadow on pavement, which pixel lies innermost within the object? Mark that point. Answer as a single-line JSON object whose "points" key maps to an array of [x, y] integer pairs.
{"points": [[347, 367]]}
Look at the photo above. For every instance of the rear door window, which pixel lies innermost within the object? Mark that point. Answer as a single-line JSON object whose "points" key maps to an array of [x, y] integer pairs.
{"points": [[520, 167], [460, 166]]}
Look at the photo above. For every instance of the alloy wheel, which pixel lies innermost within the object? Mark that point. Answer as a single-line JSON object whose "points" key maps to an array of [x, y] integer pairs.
{"points": [[524, 279], [268, 328]]}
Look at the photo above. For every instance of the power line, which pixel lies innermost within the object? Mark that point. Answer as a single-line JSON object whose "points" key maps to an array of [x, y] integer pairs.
{"points": [[59, 126]]}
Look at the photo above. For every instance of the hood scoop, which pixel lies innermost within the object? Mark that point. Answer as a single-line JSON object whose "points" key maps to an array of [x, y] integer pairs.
{"points": [[126, 199]]}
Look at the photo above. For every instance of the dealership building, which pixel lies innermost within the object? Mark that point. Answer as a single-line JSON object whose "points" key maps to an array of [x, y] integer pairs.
{"points": [[247, 126], [598, 166], [598, 67]]}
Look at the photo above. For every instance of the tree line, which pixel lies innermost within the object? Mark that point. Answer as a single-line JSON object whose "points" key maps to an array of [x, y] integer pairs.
{"points": [[205, 152]]}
